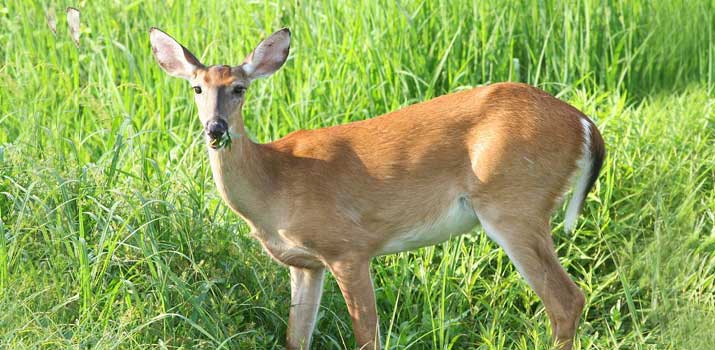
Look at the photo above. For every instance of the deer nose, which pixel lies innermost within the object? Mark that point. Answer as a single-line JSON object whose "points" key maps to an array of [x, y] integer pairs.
{"points": [[215, 128]]}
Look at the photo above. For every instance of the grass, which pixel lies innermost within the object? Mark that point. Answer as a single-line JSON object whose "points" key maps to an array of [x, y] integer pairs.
{"points": [[112, 236]]}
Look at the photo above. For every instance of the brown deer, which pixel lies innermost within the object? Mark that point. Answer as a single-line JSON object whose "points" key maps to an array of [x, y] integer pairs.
{"points": [[500, 155]]}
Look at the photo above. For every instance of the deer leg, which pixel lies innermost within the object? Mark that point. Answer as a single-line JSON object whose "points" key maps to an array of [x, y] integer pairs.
{"points": [[356, 285], [306, 290], [531, 249]]}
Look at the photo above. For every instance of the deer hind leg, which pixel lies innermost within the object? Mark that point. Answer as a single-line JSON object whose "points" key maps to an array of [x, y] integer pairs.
{"points": [[306, 290], [528, 244]]}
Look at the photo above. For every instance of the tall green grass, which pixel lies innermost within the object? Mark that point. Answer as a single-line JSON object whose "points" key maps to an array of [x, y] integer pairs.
{"points": [[112, 236]]}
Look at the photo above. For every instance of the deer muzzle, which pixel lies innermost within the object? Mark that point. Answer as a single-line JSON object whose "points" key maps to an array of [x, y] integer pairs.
{"points": [[216, 128]]}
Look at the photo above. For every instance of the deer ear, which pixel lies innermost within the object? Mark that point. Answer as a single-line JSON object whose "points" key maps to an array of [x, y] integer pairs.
{"points": [[268, 56], [175, 59]]}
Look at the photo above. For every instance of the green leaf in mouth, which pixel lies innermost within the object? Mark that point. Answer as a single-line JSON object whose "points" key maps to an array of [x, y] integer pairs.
{"points": [[223, 141]]}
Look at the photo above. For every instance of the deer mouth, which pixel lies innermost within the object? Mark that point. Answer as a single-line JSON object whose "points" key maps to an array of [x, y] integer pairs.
{"points": [[220, 142], [217, 133]]}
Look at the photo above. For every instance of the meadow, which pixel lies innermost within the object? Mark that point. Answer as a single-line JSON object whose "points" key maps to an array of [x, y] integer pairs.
{"points": [[112, 235]]}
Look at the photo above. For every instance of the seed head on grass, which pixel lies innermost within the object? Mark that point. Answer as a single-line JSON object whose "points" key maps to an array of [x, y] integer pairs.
{"points": [[73, 22]]}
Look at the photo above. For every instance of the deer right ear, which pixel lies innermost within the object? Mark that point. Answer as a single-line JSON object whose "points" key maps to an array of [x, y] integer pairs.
{"points": [[175, 59]]}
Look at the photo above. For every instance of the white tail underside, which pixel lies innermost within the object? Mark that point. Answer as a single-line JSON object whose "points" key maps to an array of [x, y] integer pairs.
{"points": [[581, 185]]}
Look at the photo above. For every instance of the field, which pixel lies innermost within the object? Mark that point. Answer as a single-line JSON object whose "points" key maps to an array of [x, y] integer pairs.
{"points": [[112, 235]]}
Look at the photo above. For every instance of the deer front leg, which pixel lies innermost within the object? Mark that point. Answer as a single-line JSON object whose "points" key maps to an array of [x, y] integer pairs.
{"points": [[306, 290], [355, 283]]}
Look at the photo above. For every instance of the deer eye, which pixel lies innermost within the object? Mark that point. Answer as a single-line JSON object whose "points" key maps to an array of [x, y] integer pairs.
{"points": [[197, 89], [238, 89]]}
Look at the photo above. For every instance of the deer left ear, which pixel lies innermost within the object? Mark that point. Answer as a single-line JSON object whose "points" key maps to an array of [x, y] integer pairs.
{"points": [[175, 59], [268, 56]]}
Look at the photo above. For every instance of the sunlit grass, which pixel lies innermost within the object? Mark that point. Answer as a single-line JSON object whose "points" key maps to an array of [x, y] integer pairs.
{"points": [[112, 236]]}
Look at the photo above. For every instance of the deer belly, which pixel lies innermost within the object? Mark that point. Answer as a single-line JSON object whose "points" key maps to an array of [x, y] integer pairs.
{"points": [[458, 218]]}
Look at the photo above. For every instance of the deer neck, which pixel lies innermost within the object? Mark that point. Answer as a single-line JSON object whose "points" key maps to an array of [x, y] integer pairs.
{"points": [[239, 171]]}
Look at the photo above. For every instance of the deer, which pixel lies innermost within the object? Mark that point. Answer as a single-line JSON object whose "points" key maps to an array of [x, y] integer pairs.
{"points": [[500, 156]]}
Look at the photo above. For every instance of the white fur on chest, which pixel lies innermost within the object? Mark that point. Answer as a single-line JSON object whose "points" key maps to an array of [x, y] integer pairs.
{"points": [[458, 218]]}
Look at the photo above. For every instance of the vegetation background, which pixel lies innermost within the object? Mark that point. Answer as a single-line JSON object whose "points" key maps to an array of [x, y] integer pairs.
{"points": [[112, 236]]}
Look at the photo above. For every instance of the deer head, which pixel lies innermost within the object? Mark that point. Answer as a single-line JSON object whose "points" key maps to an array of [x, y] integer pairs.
{"points": [[220, 90]]}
